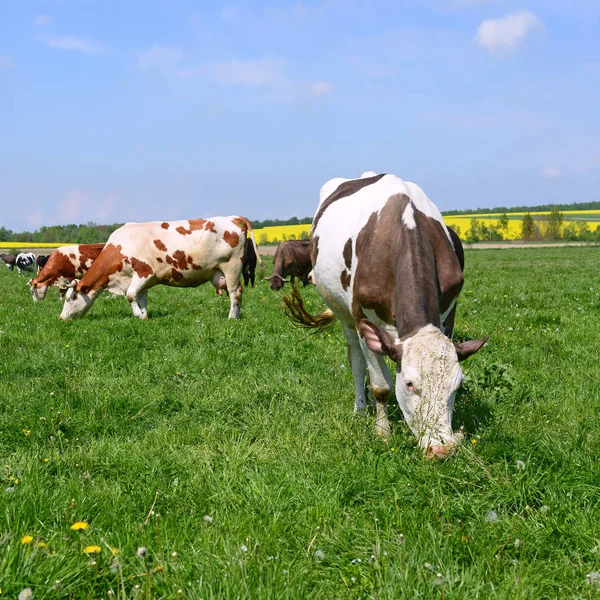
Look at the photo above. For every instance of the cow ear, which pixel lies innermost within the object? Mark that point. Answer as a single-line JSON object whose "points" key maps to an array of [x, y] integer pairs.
{"points": [[378, 340], [468, 348]]}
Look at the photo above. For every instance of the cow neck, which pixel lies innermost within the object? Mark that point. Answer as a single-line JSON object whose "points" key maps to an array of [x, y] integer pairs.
{"points": [[416, 294]]}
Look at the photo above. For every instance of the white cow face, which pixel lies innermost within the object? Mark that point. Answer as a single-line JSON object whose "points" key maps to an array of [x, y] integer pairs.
{"points": [[76, 304], [37, 292], [427, 379]]}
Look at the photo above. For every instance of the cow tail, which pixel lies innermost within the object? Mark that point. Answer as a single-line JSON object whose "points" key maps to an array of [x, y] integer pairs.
{"points": [[298, 315], [261, 268]]}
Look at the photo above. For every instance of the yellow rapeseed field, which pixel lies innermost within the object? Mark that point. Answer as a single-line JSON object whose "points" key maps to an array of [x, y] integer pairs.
{"points": [[10, 245], [461, 223], [281, 233]]}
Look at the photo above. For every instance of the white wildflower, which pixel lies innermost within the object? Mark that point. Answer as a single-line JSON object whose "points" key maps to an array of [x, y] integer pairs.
{"points": [[26, 594], [320, 555], [244, 548], [491, 516], [141, 552], [208, 519], [520, 465]]}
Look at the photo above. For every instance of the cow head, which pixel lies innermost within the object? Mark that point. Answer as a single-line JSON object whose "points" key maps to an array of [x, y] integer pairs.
{"points": [[428, 376], [276, 281], [77, 303], [38, 292]]}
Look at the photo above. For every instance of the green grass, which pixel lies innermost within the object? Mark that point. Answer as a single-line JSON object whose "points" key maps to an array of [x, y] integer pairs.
{"points": [[251, 423]]}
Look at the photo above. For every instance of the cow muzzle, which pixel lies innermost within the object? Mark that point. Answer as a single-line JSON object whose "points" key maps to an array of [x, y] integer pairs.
{"points": [[440, 451]]}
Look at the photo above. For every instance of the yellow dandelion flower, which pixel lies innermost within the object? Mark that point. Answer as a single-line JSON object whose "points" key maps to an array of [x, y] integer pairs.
{"points": [[79, 525], [115, 551], [46, 460], [92, 550], [27, 432], [26, 539], [473, 441], [42, 544]]}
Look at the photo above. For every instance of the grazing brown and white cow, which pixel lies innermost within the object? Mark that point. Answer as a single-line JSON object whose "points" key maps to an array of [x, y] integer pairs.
{"points": [[65, 264], [139, 256], [387, 267], [292, 259]]}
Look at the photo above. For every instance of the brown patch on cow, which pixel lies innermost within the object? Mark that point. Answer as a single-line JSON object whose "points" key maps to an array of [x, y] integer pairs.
{"points": [[345, 278], [183, 230], [342, 191], [314, 249], [73, 255], [242, 223], [176, 275], [210, 226], [348, 253], [88, 253], [178, 259], [164, 225], [407, 276], [160, 245], [141, 268], [110, 261], [159, 259], [232, 238]]}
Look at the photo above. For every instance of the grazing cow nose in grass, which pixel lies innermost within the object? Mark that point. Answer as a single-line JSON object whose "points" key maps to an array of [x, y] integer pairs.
{"points": [[440, 451]]}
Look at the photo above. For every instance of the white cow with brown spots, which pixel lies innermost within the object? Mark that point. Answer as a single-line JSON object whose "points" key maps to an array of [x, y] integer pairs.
{"points": [[189, 253], [64, 265], [390, 271]]}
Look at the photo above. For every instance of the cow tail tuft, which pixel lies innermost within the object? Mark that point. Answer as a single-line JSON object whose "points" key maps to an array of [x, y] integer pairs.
{"points": [[299, 316]]}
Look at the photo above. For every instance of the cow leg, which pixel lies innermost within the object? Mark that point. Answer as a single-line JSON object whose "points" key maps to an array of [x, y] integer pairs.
{"points": [[381, 384], [234, 288], [358, 365], [137, 295]]}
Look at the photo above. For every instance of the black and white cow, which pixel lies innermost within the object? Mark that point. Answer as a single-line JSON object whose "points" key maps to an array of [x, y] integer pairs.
{"points": [[389, 270], [25, 262]]}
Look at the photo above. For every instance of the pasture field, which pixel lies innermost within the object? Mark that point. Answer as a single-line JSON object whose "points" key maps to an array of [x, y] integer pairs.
{"points": [[230, 452]]}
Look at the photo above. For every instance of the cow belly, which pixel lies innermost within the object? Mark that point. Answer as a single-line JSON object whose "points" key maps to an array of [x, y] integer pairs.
{"points": [[185, 279]]}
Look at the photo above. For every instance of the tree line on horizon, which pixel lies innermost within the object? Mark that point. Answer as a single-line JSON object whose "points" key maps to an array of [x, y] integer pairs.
{"points": [[536, 227]]}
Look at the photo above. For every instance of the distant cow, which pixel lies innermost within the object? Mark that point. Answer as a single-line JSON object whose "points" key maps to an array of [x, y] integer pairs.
{"points": [[64, 265], [292, 259], [40, 261], [9, 260], [139, 256], [25, 262], [249, 265], [390, 271]]}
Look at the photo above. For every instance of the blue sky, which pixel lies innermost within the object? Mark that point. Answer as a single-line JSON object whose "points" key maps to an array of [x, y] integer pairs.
{"points": [[143, 110]]}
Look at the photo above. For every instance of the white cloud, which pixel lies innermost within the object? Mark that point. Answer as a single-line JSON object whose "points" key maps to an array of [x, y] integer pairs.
{"points": [[104, 206], [35, 219], [321, 88], [300, 10], [228, 13], [70, 207], [6, 62], [158, 56], [265, 72], [78, 44], [507, 33], [42, 20], [549, 172]]}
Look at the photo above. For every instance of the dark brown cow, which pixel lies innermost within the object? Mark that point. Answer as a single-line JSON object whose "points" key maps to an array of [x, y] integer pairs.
{"points": [[292, 259], [64, 265], [9, 259], [390, 271]]}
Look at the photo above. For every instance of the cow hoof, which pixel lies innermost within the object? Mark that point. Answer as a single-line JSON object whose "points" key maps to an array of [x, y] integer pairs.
{"points": [[383, 431]]}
